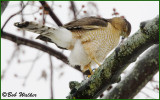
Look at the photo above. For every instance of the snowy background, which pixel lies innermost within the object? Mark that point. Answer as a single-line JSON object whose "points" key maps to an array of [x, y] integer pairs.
{"points": [[28, 70]]}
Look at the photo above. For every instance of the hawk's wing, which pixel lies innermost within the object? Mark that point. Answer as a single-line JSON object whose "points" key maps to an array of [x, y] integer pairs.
{"points": [[87, 23]]}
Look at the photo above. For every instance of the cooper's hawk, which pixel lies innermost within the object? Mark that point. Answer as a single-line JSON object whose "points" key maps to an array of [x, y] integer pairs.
{"points": [[89, 39]]}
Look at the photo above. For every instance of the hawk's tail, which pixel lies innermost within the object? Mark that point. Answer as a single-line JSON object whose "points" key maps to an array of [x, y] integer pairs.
{"points": [[34, 27], [60, 36]]}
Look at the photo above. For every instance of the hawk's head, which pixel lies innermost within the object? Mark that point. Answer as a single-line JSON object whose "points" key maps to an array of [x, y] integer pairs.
{"points": [[121, 24]]}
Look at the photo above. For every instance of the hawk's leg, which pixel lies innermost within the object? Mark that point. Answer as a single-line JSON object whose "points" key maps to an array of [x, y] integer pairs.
{"points": [[90, 69], [95, 60]]}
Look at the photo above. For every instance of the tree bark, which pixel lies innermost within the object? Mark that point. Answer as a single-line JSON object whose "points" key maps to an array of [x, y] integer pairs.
{"points": [[109, 72], [53, 16], [144, 69]]}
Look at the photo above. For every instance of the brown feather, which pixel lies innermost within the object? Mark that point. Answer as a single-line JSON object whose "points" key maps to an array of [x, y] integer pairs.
{"points": [[121, 24], [87, 23]]}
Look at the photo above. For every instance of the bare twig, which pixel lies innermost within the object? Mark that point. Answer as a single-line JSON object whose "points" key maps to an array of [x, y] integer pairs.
{"points": [[9, 62], [51, 76], [147, 95], [14, 15], [32, 66], [153, 86], [74, 9], [151, 89], [43, 17], [22, 16], [78, 12], [53, 16], [32, 13]]}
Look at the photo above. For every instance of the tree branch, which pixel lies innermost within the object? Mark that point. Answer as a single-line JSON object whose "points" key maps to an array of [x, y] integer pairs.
{"points": [[53, 16], [39, 46], [144, 69], [3, 6], [109, 72]]}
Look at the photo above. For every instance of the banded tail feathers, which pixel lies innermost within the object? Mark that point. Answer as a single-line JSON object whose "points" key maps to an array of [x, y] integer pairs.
{"points": [[60, 36]]}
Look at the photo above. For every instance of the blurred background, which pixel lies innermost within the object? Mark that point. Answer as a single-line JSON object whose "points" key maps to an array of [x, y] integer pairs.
{"points": [[28, 70]]}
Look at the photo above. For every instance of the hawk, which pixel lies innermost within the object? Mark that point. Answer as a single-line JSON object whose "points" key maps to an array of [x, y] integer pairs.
{"points": [[89, 39]]}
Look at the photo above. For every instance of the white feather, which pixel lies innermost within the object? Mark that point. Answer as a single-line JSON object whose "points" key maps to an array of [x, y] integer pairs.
{"points": [[78, 55], [62, 37]]}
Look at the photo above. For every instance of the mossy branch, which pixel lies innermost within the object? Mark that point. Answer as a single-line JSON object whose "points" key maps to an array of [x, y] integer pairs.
{"points": [[144, 69], [109, 72]]}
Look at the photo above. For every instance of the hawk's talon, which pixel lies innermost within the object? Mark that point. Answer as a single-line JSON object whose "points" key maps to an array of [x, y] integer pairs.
{"points": [[88, 76]]}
